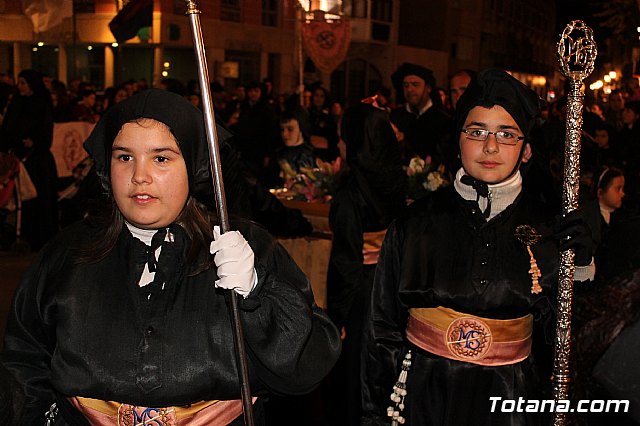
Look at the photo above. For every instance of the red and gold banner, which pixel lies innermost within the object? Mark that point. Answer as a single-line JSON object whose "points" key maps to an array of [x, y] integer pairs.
{"points": [[327, 43]]}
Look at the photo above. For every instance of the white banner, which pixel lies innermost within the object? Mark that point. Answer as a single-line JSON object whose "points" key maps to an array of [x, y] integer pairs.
{"points": [[67, 146], [46, 14]]}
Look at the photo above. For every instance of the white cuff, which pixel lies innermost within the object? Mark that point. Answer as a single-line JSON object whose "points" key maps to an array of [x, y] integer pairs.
{"points": [[585, 273]]}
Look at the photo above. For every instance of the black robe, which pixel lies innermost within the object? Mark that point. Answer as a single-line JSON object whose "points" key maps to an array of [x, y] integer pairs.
{"points": [[89, 330], [443, 253]]}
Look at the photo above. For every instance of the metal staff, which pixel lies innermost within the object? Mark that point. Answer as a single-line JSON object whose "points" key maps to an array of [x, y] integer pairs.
{"points": [[221, 205], [577, 53]]}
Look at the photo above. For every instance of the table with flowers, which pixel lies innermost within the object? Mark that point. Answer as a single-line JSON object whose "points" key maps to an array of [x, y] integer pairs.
{"points": [[309, 191]]}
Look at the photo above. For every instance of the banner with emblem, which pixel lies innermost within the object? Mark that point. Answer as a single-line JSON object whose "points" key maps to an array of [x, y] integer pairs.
{"points": [[327, 43]]}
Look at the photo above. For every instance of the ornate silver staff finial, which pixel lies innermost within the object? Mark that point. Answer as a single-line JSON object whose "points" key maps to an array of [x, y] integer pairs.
{"points": [[577, 51], [577, 54]]}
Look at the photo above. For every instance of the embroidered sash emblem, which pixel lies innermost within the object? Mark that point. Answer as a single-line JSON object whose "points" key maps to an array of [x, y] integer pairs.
{"points": [[468, 338], [130, 415]]}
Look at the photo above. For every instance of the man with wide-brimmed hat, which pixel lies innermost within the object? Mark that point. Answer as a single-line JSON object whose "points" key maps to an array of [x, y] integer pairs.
{"points": [[422, 122]]}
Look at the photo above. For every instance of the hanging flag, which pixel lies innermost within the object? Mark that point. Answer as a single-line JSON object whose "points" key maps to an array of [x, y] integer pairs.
{"points": [[136, 15], [327, 43], [46, 14]]}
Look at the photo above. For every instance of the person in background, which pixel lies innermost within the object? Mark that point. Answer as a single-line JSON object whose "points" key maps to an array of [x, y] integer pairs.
{"points": [[115, 96], [156, 264], [371, 193], [324, 132], [422, 122], [27, 131], [458, 83], [62, 108], [297, 152], [84, 110]]}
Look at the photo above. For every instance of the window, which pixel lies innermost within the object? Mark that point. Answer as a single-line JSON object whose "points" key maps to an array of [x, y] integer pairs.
{"points": [[353, 80], [230, 10], [84, 6], [248, 66], [270, 13], [381, 17], [382, 10], [355, 8]]}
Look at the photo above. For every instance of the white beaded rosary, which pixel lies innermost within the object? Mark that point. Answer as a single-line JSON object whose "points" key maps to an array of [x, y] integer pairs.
{"points": [[399, 392]]}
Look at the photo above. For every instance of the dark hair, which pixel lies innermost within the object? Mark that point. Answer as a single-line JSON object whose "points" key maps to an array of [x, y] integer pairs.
{"points": [[87, 92], [195, 218], [300, 115], [606, 176], [288, 116], [464, 71], [633, 106], [34, 80]]}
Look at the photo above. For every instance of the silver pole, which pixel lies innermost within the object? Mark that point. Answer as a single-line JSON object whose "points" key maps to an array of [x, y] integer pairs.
{"points": [[577, 53], [216, 175]]}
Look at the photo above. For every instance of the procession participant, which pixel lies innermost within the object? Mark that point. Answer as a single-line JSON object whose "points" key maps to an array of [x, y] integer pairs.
{"points": [[421, 121], [125, 315], [464, 273], [371, 193]]}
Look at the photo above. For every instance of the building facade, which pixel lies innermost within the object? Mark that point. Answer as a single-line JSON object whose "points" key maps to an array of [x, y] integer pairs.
{"points": [[252, 39]]}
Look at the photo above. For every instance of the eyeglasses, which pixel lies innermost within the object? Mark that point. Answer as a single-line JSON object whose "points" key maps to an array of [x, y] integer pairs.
{"points": [[503, 137]]}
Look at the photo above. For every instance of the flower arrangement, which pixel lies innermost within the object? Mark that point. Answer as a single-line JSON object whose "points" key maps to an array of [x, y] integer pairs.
{"points": [[312, 184], [423, 176]]}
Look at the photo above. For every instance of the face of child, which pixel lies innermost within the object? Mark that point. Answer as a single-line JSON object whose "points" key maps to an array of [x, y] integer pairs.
{"points": [[629, 116], [613, 195], [490, 161], [149, 177], [602, 138], [290, 131]]}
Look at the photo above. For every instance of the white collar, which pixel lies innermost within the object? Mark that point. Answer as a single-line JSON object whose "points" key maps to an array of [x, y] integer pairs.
{"points": [[144, 235], [422, 110], [606, 213], [502, 194]]}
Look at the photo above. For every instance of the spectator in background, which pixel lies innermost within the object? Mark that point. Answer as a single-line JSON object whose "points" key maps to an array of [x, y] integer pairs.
{"points": [[256, 136], [84, 110], [115, 96], [383, 98], [27, 131], [232, 108], [62, 108], [7, 91], [422, 122], [195, 99], [371, 193], [172, 85], [458, 84], [297, 152], [324, 133], [613, 115]]}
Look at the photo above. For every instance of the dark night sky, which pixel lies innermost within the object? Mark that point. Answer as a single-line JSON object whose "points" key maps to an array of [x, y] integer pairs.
{"points": [[571, 10]]}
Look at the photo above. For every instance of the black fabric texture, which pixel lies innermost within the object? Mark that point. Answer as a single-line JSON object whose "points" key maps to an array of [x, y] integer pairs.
{"points": [[90, 330], [573, 232], [442, 253]]}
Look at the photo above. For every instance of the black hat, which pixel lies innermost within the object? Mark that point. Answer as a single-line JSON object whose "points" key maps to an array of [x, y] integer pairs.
{"points": [[412, 69], [185, 122], [492, 87]]}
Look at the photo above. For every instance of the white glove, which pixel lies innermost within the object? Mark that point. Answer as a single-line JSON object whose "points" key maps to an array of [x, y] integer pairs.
{"points": [[234, 258]]}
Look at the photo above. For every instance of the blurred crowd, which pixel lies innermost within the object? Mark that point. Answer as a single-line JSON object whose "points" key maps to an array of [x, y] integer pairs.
{"points": [[270, 132]]}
